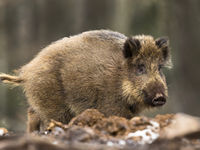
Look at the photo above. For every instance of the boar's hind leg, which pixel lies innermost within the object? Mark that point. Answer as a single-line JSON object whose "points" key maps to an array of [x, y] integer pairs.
{"points": [[34, 121], [46, 95]]}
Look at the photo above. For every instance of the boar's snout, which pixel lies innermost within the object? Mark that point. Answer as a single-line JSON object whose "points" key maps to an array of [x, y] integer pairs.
{"points": [[155, 95], [158, 100]]}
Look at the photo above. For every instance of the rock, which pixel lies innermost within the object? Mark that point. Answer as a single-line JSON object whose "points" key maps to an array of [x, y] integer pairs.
{"points": [[3, 131], [180, 126]]}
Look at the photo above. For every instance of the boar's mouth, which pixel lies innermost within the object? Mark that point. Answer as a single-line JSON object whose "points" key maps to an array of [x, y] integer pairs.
{"points": [[158, 100]]}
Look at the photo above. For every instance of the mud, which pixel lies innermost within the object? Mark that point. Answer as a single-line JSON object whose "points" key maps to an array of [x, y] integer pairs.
{"points": [[92, 130]]}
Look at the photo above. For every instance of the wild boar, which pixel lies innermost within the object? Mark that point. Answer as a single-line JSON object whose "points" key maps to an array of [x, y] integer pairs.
{"points": [[100, 69]]}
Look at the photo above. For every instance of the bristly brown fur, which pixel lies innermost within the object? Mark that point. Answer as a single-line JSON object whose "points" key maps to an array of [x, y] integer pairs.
{"points": [[98, 69]]}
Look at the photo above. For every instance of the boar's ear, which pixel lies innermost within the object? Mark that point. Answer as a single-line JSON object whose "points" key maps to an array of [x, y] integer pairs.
{"points": [[163, 44], [131, 47]]}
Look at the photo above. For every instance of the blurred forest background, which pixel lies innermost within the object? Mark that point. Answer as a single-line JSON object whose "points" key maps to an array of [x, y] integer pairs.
{"points": [[26, 26]]}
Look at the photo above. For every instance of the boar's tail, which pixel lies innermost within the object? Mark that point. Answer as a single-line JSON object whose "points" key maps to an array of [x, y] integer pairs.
{"points": [[9, 79]]}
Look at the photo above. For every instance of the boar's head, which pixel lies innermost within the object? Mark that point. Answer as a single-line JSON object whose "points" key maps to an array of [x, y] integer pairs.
{"points": [[144, 83]]}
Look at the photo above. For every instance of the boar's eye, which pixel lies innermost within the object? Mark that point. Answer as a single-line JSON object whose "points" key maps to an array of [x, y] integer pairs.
{"points": [[160, 67], [141, 69]]}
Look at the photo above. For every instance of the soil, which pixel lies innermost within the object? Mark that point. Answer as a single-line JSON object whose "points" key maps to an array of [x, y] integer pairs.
{"points": [[92, 130]]}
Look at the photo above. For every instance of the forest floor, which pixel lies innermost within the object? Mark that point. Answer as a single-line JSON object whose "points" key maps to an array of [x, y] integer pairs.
{"points": [[91, 130]]}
